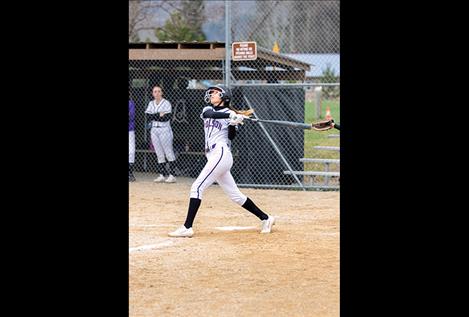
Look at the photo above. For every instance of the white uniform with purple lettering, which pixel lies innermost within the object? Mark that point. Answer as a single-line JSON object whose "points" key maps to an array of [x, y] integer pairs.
{"points": [[220, 160], [161, 132]]}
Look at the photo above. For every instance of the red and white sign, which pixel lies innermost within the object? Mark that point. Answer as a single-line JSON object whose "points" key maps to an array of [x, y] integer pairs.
{"points": [[244, 51]]}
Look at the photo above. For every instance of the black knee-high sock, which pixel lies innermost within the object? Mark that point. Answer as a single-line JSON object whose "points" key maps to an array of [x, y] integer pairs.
{"points": [[171, 167], [250, 206], [131, 169], [162, 169], [194, 205]]}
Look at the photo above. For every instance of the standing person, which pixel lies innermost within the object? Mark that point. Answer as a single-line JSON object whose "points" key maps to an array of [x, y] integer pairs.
{"points": [[220, 123], [131, 140], [159, 115]]}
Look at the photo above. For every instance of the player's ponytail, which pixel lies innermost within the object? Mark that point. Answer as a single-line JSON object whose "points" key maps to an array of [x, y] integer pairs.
{"points": [[243, 112]]}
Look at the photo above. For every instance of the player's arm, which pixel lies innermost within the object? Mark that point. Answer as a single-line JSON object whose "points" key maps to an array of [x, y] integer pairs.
{"points": [[165, 113], [336, 125], [150, 116], [163, 117], [231, 132], [209, 113], [153, 116]]}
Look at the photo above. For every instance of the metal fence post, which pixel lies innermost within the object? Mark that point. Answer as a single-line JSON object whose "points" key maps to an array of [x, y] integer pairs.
{"points": [[326, 183], [276, 147], [317, 95], [227, 43]]}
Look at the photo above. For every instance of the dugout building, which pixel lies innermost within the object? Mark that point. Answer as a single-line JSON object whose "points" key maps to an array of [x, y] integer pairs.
{"points": [[183, 70]]}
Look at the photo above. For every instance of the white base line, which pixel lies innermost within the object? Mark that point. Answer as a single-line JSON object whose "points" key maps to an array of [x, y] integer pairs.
{"points": [[160, 245], [137, 225], [234, 228]]}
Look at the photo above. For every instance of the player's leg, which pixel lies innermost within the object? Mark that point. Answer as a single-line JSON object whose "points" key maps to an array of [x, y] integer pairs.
{"points": [[216, 165], [228, 184], [167, 142], [218, 162], [131, 155], [156, 141], [230, 188], [171, 178]]}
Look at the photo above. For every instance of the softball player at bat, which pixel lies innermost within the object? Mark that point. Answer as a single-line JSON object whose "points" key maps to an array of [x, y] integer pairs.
{"points": [[220, 123], [159, 115]]}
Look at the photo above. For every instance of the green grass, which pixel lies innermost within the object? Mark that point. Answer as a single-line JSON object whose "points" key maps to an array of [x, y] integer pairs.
{"points": [[313, 138]]}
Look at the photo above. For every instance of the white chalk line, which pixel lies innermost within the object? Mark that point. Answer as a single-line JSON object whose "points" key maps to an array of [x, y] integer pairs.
{"points": [[137, 225], [165, 243], [235, 228]]}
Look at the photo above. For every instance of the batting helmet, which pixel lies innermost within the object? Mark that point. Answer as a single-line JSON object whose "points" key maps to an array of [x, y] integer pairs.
{"points": [[224, 93]]}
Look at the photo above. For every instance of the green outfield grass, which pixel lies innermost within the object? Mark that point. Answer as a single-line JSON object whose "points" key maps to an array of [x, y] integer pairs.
{"points": [[314, 138]]}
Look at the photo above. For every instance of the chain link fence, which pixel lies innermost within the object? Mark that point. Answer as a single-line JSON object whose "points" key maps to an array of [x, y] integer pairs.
{"points": [[294, 78]]}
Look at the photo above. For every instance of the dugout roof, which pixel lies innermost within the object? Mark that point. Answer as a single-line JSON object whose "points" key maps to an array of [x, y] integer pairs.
{"points": [[204, 60]]}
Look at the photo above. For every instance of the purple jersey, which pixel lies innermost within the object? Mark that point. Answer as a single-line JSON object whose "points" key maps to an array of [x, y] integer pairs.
{"points": [[131, 115]]}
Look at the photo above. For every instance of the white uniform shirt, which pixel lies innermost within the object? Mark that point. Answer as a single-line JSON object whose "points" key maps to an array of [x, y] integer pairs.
{"points": [[216, 130], [163, 107]]}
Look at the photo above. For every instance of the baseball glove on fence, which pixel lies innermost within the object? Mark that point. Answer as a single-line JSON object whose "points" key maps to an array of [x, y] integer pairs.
{"points": [[322, 125]]}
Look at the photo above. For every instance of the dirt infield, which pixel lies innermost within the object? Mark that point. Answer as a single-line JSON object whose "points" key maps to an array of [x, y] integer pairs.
{"points": [[294, 271]]}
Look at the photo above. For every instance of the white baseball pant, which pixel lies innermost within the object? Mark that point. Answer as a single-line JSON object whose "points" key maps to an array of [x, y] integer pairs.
{"points": [[132, 147], [162, 140], [217, 169]]}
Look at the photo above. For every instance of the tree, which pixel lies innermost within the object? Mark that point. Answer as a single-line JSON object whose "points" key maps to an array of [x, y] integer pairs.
{"points": [[142, 14], [193, 13], [329, 76], [177, 29], [184, 24], [298, 26]]}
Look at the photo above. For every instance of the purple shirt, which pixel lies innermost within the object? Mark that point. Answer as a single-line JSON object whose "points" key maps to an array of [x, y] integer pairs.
{"points": [[131, 116]]}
